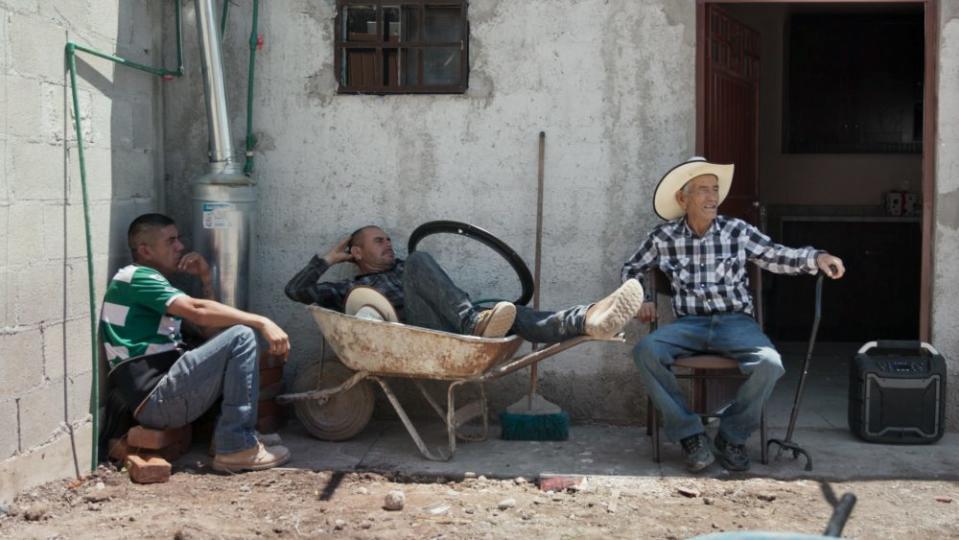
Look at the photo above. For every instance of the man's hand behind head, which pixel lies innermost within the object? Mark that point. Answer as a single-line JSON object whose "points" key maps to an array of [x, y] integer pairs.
{"points": [[340, 253]]}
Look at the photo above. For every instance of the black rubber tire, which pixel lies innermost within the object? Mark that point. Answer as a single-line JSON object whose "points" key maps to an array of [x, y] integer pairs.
{"points": [[345, 414], [487, 239]]}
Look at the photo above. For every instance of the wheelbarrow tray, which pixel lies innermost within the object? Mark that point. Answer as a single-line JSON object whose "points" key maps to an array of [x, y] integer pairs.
{"points": [[400, 350]]}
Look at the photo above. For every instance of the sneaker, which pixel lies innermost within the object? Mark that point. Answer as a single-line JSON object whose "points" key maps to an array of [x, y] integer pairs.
{"points": [[494, 322], [733, 457], [697, 453], [606, 318], [257, 458]]}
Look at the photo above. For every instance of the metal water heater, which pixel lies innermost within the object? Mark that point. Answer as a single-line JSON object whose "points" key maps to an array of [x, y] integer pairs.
{"points": [[224, 199]]}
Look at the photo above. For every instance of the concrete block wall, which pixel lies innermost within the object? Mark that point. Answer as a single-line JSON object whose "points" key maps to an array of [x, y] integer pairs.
{"points": [[945, 299], [45, 358]]}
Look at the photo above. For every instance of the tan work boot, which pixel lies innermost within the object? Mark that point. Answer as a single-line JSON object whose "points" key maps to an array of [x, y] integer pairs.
{"points": [[257, 458], [495, 322], [606, 318], [268, 439]]}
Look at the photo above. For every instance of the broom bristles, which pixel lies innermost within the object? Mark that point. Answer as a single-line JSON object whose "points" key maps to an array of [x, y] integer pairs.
{"points": [[534, 427]]}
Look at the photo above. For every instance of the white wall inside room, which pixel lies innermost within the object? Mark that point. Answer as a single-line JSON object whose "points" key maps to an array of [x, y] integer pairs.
{"points": [[813, 179], [610, 82]]}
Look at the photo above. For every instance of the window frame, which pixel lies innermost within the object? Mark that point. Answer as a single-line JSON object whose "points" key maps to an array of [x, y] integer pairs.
{"points": [[341, 45]]}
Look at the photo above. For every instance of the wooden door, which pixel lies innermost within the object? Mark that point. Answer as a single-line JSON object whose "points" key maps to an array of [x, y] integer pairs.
{"points": [[730, 134], [731, 112]]}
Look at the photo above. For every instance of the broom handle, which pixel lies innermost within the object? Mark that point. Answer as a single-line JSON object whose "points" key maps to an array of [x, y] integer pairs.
{"points": [[538, 257]]}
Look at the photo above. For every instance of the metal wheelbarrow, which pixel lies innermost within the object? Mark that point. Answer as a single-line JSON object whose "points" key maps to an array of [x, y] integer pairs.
{"points": [[375, 350]]}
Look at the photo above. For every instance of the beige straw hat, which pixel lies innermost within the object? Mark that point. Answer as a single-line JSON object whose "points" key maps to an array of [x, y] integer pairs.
{"points": [[664, 199], [368, 303]]}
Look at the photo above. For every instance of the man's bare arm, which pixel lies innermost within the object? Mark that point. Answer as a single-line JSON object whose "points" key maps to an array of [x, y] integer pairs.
{"points": [[211, 314]]}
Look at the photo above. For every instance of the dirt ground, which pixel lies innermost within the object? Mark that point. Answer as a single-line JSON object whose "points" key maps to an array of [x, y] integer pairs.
{"points": [[293, 503]]}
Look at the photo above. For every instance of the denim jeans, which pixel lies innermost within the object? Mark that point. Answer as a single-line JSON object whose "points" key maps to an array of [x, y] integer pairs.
{"points": [[433, 301], [735, 335], [226, 365]]}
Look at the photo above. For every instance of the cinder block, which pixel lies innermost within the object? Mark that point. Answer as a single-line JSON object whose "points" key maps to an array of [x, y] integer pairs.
{"points": [[36, 47], [42, 164], [99, 162], [24, 114], [25, 233], [58, 122], [9, 426], [148, 469], [39, 293], [42, 410], [76, 343], [155, 439], [6, 285], [21, 362], [132, 173]]}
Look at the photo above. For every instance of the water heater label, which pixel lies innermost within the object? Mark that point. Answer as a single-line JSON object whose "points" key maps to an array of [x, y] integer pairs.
{"points": [[217, 215]]}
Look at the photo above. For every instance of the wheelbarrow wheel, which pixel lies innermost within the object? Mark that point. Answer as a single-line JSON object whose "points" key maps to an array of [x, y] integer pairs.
{"points": [[345, 414]]}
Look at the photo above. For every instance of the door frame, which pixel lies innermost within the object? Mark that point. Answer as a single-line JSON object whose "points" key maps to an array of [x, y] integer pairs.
{"points": [[929, 119]]}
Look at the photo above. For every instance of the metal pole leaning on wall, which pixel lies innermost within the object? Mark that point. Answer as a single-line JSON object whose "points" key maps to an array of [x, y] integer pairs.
{"points": [[250, 139], [71, 60]]}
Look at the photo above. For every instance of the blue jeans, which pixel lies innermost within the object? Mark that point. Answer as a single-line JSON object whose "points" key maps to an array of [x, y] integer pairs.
{"points": [[432, 300], [226, 365], [735, 335]]}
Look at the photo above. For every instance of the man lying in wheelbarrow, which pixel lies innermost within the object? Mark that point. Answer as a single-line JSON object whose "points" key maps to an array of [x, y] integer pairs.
{"points": [[704, 254], [424, 295]]}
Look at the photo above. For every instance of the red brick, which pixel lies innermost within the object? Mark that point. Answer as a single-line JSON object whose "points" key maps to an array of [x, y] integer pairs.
{"points": [[270, 376], [268, 407], [559, 482], [148, 468], [268, 360], [155, 439], [271, 391]]}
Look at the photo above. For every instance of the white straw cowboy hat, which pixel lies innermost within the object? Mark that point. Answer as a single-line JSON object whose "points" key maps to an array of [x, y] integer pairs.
{"points": [[664, 199], [368, 303]]}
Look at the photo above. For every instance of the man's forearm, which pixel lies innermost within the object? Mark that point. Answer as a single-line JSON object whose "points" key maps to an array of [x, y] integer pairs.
{"points": [[212, 314]]}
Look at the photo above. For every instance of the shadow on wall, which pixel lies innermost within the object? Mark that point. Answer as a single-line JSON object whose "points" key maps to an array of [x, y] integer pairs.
{"points": [[118, 109]]}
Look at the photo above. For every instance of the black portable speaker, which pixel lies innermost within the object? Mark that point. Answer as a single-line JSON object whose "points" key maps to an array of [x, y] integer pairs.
{"points": [[897, 393]]}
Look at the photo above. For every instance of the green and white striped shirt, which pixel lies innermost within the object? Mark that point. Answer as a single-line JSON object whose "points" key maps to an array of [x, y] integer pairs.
{"points": [[134, 315]]}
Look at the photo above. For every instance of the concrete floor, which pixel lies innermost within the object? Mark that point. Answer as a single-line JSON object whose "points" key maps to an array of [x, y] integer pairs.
{"points": [[621, 452]]}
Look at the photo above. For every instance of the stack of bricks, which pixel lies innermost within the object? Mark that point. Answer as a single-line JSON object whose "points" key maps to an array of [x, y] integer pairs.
{"points": [[269, 415], [147, 453]]}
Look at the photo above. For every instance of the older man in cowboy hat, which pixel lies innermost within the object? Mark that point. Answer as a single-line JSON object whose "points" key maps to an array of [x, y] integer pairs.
{"points": [[418, 291], [704, 254]]}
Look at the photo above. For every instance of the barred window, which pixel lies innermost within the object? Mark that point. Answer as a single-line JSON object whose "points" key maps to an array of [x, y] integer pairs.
{"points": [[402, 47]]}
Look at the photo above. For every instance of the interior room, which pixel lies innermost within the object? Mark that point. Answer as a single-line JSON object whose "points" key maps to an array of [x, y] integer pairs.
{"points": [[839, 161]]}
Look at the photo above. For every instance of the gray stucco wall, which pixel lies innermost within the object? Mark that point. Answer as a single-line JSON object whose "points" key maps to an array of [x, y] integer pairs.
{"points": [[614, 95], [945, 298], [45, 429]]}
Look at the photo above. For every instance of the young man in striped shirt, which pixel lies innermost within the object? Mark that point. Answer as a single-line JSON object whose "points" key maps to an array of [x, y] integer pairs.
{"points": [[167, 387], [704, 254]]}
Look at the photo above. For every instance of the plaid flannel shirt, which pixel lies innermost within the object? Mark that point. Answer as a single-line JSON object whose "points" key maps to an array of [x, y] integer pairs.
{"points": [[305, 286], [708, 274]]}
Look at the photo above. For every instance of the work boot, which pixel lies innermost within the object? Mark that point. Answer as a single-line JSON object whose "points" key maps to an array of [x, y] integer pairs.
{"points": [[697, 453], [494, 322], [257, 458], [268, 439], [733, 457], [606, 318]]}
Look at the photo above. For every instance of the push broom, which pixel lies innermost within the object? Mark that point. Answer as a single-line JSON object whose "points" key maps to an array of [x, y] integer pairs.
{"points": [[534, 418]]}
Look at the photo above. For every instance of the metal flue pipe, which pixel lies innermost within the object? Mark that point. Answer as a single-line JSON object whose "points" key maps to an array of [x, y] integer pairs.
{"points": [[214, 90]]}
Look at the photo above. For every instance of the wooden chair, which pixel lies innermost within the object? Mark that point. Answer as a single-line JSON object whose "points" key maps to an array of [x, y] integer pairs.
{"points": [[702, 370]]}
